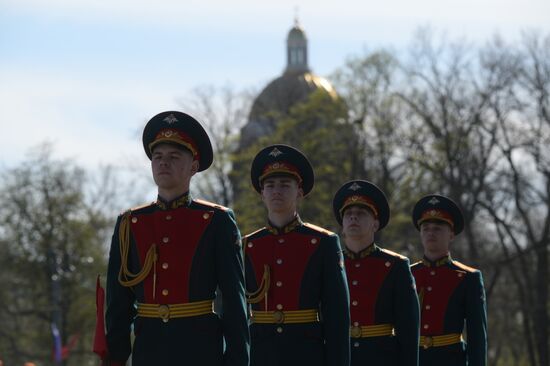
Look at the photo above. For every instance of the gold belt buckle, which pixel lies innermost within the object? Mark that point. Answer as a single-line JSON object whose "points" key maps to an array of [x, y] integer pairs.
{"points": [[278, 317], [164, 312], [428, 342], [356, 331]]}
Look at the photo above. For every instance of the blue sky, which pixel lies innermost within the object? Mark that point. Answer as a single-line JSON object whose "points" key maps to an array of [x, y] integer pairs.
{"points": [[86, 74]]}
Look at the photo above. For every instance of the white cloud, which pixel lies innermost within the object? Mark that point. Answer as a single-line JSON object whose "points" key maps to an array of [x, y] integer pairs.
{"points": [[216, 14], [91, 120]]}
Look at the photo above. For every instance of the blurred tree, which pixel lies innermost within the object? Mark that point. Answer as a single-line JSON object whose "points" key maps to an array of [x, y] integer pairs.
{"points": [[450, 140], [518, 203], [222, 111], [452, 147], [53, 244], [368, 83]]}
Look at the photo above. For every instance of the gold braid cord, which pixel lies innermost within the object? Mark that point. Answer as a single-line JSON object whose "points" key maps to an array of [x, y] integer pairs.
{"points": [[125, 277], [257, 296]]}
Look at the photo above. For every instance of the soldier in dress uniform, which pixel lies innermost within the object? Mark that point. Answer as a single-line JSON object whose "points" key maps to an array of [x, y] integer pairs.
{"points": [[168, 257], [384, 305], [450, 292], [295, 278]]}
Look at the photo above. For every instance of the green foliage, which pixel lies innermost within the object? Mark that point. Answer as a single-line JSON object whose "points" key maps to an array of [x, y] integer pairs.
{"points": [[318, 127], [51, 254]]}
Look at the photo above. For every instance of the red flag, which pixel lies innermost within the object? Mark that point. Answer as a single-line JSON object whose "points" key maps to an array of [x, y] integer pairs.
{"points": [[100, 341], [69, 346]]}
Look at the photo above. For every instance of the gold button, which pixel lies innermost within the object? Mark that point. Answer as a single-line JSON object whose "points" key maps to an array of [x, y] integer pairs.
{"points": [[279, 307], [354, 302], [428, 307], [459, 274], [313, 241], [387, 264], [164, 313], [165, 239], [432, 273], [165, 265], [205, 216], [278, 317], [250, 245], [357, 265], [355, 331], [429, 288], [355, 324], [279, 261], [356, 344], [281, 240], [279, 329], [279, 283], [354, 282], [134, 219], [428, 342], [165, 292], [168, 217], [426, 326]]}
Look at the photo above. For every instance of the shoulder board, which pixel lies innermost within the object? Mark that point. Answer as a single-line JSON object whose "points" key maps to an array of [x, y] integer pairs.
{"points": [[210, 204], [138, 208], [464, 267], [318, 229], [247, 236], [415, 265], [393, 254]]}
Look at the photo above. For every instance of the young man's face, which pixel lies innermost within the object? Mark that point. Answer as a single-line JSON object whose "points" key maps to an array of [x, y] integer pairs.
{"points": [[280, 194], [358, 222], [172, 166], [436, 236]]}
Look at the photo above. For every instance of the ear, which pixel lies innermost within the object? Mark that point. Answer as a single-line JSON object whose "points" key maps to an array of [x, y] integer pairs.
{"points": [[300, 193], [194, 167], [376, 225], [452, 236]]}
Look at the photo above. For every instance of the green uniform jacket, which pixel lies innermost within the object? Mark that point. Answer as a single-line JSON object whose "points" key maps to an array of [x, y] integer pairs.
{"points": [[198, 247], [306, 272], [382, 292], [451, 294]]}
